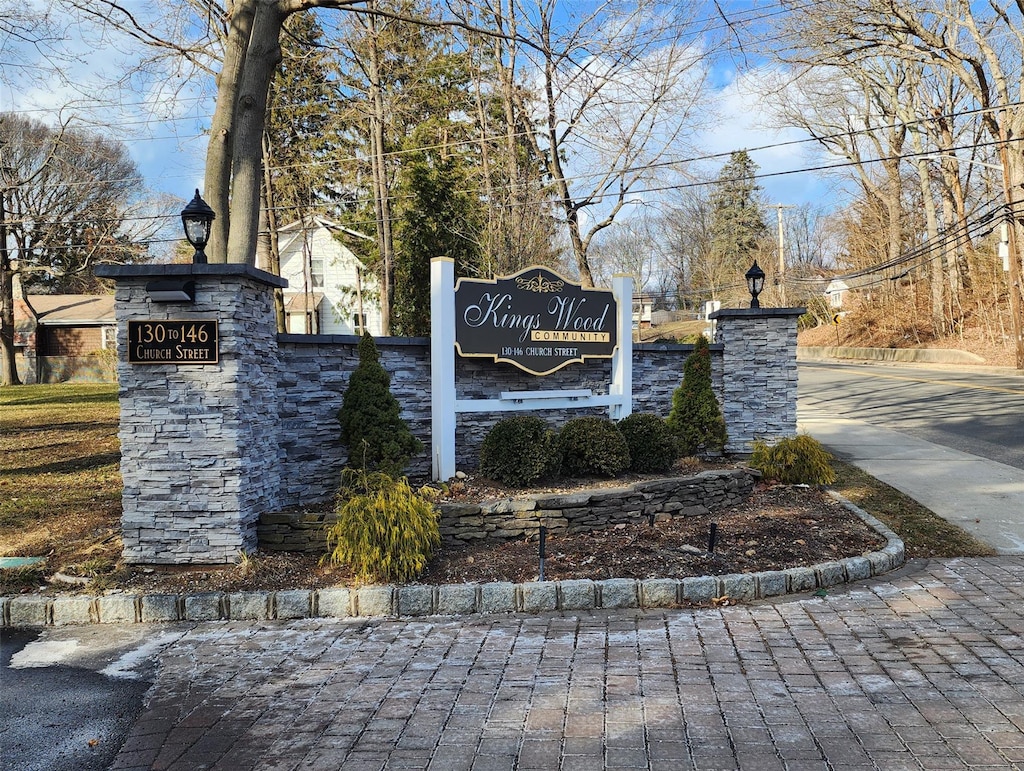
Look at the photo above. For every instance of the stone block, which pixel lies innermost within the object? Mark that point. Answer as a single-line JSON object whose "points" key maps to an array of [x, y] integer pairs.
{"points": [[159, 607], [830, 574], [205, 606], [293, 603], [74, 609], [498, 597], [739, 586], [118, 609], [700, 589], [659, 592], [539, 596], [771, 583], [896, 552], [801, 579], [857, 568], [415, 600], [334, 603], [456, 599], [618, 593], [249, 606], [577, 594], [28, 611], [375, 601], [880, 562]]}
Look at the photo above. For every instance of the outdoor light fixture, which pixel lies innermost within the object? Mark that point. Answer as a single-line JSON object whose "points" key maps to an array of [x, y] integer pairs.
{"points": [[755, 283], [171, 291], [197, 218]]}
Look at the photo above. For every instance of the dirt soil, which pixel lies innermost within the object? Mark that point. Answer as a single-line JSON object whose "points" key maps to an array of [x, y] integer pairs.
{"points": [[776, 528]]}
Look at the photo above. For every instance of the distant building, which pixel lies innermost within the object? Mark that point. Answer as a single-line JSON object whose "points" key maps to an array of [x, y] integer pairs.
{"points": [[327, 284], [64, 337]]}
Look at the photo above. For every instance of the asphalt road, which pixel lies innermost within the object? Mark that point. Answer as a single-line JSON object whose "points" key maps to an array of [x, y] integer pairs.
{"points": [[977, 412], [66, 704]]}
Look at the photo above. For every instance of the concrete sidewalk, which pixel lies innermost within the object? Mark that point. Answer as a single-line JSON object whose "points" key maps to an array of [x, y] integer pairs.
{"points": [[983, 497]]}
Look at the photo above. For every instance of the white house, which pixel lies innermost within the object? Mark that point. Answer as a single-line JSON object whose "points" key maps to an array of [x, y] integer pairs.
{"points": [[327, 284]]}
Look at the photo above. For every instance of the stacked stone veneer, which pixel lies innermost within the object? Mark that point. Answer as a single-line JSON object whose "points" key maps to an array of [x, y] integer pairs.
{"points": [[206, 449], [759, 393], [200, 457], [522, 516]]}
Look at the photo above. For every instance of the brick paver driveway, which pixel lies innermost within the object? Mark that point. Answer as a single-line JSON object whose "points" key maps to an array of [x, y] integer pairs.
{"points": [[924, 669]]}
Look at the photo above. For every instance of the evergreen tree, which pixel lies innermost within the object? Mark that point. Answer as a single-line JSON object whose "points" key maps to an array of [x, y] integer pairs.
{"points": [[696, 418], [371, 425], [737, 229]]}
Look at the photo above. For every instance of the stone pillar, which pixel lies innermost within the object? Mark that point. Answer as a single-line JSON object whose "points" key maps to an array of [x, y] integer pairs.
{"points": [[199, 442], [759, 370]]}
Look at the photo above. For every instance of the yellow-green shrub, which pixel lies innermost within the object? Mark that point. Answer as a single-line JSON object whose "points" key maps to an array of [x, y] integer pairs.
{"points": [[794, 461], [385, 531]]}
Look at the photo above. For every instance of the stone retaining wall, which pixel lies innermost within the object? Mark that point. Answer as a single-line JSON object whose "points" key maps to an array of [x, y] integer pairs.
{"points": [[521, 517]]}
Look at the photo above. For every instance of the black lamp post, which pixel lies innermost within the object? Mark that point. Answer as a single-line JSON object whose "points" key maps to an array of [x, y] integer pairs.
{"points": [[755, 283], [197, 218]]}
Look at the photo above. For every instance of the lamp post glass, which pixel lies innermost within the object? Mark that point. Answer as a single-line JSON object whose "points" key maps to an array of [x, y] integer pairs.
{"points": [[755, 283], [197, 218]]}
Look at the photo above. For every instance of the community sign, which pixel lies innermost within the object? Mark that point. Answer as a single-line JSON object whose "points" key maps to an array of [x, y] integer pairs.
{"points": [[535, 320]]}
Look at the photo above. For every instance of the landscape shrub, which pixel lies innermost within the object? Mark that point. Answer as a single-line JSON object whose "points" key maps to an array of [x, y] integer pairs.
{"points": [[798, 460], [592, 446], [371, 426], [652, 447], [385, 531], [696, 419], [518, 451]]}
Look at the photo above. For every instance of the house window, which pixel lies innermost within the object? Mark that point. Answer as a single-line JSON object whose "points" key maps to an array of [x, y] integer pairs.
{"points": [[355, 322], [109, 339], [316, 271]]}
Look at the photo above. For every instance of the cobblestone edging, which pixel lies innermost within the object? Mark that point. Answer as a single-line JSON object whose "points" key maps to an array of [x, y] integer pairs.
{"points": [[453, 599], [506, 519]]}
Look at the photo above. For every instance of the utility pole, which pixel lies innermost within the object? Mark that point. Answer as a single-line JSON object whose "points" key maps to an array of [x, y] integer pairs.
{"points": [[1014, 276], [780, 278]]}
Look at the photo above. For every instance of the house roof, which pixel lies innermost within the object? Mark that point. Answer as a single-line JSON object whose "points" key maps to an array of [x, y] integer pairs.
{"points": [[303, 303], [293, 230], [73, 309]]}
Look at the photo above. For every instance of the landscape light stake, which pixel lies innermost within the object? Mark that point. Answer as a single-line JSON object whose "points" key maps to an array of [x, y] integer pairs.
{"points": [[712, 537], [543, 548]]}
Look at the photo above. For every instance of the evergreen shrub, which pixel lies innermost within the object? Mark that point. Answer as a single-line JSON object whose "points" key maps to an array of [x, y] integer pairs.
{"points": [[652, 447], [385, 531], [371, 426], [696, 419], [518, 451], [592, 446], [798, 460]]}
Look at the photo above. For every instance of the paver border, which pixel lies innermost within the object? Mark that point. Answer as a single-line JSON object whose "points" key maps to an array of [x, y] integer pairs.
{"points": [[458, 599]]}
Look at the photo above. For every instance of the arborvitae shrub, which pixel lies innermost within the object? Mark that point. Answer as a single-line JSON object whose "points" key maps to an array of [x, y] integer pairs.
{"points": [[652, 447], [385, 531], [518, 451], [592, 446], [377, 437], [798, 460], [696, 419]]}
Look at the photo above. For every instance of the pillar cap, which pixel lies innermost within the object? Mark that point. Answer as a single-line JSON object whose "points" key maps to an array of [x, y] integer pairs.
{"points": [[726, 313], [221, 270]]}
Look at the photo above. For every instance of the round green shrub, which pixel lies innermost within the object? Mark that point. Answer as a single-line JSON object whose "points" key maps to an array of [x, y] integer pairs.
{"points": [[798, 460], [385, 531], [652, 446], [518, 451], [592, 446]]}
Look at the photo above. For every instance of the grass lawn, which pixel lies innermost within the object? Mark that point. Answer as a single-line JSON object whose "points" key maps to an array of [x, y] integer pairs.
{"points": [[60, 487]]}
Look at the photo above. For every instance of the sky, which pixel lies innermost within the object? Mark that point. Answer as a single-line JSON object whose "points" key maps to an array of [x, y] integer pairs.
{"points": [[162, 120]]}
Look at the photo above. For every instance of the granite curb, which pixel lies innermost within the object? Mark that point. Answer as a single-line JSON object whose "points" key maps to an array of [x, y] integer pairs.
{"points": [[455, 599]]}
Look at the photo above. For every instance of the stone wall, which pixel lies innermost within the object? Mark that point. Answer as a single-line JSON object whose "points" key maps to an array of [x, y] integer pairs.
{"points": [[521, 517], [314, 372]]}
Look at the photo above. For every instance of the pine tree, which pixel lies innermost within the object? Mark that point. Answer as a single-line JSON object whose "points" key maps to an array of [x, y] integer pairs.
{"points": [[738, 228], [371, 425], [696, 419]]}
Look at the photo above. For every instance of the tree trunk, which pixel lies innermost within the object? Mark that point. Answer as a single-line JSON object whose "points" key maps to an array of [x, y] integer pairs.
{"points": [[8, 364]]}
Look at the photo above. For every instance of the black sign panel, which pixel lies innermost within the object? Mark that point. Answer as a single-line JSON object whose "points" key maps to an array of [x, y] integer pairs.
{"points": [[535, 319], [158, 341]]}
